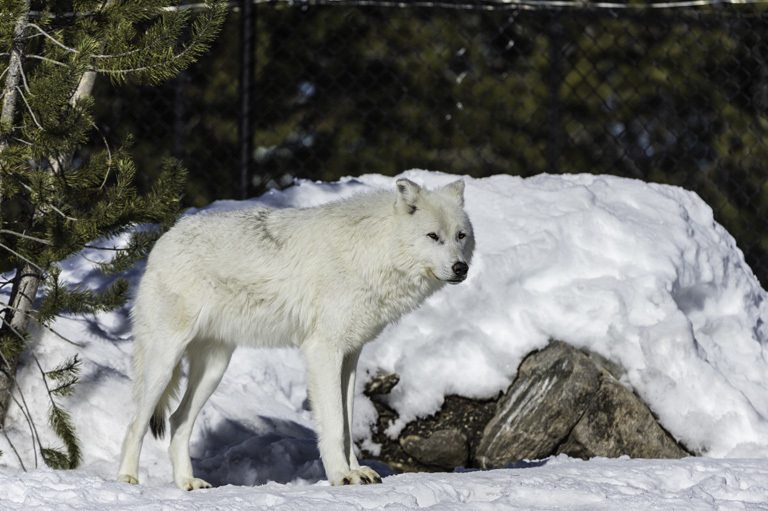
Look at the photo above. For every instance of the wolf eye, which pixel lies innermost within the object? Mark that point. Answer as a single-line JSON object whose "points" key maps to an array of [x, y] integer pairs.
{"points": [[434, 236], [461, 235]]}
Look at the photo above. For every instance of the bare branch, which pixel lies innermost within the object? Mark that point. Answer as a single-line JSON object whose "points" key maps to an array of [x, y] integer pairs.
{"points": [[109, 156], [36, 444], [51, 38], [24, 81], [119, 55], [63, 337], [113, 249], [7, 439], [46, 59], [60, 212], [29, 109], [23, 404], [25, 236], [9, 249]]}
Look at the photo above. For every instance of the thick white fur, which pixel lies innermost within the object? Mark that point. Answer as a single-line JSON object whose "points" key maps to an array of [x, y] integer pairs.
{"points": [[326, 279]]}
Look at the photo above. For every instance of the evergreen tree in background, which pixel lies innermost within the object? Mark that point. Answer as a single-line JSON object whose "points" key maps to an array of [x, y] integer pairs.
{"points": [[52, 203]]}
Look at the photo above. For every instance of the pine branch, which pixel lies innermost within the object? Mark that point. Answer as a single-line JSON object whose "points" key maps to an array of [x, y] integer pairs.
{"points": [[66, 376], [138, 247], [61, 422], [59, 298], [161, 35], [46, 327]]}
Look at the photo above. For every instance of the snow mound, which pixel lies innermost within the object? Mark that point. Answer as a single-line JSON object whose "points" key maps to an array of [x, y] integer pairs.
{"points": [[639, 273]]}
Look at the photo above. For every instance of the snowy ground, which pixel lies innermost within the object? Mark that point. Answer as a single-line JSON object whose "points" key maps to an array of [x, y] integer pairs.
{"points": [[639, 273], [559, 483]]}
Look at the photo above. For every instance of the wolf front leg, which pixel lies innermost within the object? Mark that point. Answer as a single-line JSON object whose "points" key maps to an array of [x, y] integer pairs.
{"points": [[325, 362], [349, 368]]}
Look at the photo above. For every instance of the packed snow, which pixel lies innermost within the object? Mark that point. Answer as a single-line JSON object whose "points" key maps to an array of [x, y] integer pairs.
{"points": [[639, 273]]}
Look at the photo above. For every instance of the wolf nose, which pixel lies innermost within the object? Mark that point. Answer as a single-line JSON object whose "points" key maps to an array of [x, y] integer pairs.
{"points": [[460, 269]]}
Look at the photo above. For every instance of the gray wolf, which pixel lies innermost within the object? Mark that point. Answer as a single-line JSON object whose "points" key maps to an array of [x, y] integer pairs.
{"points": [[327, 279]]}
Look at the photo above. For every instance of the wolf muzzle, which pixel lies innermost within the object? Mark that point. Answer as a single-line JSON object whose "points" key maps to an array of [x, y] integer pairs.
{"points": [[460, 270]]}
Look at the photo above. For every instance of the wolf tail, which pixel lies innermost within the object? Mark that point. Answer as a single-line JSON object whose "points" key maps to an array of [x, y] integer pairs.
{"points": [[157, 422]]}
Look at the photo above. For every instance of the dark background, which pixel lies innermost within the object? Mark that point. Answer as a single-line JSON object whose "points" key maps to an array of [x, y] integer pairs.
{"points": [[669, 95]]}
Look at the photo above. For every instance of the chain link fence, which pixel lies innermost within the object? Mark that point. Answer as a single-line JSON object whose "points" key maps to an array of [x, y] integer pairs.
{"points": [[675, 95]]}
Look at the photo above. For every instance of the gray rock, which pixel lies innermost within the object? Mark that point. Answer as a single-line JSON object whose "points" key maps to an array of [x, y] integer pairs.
{"points": [[617, 423], [444, 449], [455, 428], [562, 402], [552, 389]]}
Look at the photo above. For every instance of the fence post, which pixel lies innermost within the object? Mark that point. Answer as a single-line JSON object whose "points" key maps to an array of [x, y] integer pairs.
{"points": [[555, 79], [180, 83], [245, 114]]}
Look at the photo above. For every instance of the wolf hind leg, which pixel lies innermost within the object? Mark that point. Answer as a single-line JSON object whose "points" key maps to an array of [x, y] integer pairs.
{"points": [[155, 372], [207, 364]]}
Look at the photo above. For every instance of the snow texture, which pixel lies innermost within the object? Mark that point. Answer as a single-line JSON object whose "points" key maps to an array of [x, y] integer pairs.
{"points": [[639, 273]]}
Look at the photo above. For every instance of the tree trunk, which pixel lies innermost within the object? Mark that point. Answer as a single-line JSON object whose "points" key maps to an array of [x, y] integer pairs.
{"points": [[16, 321], [24, 289], [13, 78], [28, 278]]}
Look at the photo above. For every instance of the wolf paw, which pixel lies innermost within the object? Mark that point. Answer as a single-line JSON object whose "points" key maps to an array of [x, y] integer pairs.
{"points": [[125, 478], [192, 483], [362, 475]]}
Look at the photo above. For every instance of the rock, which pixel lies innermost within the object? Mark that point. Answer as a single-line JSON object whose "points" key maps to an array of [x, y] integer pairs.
{"points": [[552, 389], [562, 403], [381, 384], [458, 426], [617, 423], [445, 449]]}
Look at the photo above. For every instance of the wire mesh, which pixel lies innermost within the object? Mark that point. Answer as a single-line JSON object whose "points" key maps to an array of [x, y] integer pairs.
{"points": [[670, 95]]}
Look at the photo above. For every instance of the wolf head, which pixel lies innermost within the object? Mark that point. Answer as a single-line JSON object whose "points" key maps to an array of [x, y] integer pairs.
{"points": [[434, 229]]}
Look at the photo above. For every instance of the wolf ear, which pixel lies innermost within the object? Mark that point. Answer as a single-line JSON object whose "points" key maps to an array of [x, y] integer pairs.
{"points": [[407, 195], [455, 190]]}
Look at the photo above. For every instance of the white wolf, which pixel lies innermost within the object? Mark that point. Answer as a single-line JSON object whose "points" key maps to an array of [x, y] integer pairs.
{"points": [[326, 279]]}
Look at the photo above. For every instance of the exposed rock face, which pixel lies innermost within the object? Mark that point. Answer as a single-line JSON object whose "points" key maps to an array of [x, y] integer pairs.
{"points": [[560, 402], [553, 388], [446, 448], [617, 423], [440, 442]]}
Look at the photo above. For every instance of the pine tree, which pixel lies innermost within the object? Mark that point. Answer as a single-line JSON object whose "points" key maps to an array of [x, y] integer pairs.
{"points": [[52, 203]]}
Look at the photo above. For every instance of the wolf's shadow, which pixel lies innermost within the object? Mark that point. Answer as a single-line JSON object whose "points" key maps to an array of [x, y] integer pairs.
{"points": [[281, 452]]}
